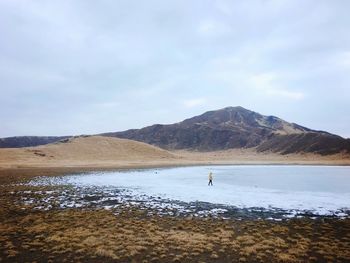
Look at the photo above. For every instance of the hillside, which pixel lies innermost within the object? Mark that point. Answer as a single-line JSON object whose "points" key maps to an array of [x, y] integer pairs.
{"points": [[27, 141], [310, 142], [227, 128], [83, 151], [236, 127]]}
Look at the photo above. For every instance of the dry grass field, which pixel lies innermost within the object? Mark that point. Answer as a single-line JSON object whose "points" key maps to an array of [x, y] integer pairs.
{"points": [[76, 235], [132, 235]]}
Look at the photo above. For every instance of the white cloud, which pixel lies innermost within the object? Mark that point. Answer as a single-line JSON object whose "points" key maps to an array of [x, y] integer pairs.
{"points": [[107, 105], [268, 83], [194, 102], [343, 59], [213, 28], [263, 80], [295, 95], [61, 60]]}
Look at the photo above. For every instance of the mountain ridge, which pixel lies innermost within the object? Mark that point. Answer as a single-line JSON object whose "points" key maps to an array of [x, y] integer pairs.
{"points": [[27, 141], [226, 128], [237, 127]]}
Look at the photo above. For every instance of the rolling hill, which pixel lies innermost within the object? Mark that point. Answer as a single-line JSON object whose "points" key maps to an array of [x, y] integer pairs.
{"points": [[227, 128], [83, 151]]}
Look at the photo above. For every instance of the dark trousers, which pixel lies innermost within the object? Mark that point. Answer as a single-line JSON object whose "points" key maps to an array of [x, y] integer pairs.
{"points": [[210, 182]]}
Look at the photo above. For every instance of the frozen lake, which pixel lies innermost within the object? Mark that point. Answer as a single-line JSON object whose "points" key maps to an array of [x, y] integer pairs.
{"points": [[296, 190]]}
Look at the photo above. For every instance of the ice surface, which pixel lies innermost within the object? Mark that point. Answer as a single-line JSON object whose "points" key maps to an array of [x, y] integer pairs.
{"points": [[322, 190]]}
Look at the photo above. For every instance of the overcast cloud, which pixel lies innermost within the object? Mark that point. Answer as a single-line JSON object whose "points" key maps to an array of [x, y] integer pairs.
{"points": [[85, 67]]}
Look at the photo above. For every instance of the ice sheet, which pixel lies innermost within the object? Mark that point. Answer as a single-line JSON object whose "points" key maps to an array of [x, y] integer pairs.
{"points": [[323, 190]]}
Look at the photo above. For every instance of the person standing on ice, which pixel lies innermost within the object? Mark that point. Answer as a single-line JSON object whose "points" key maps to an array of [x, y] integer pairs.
{"points": [[210, 179]]}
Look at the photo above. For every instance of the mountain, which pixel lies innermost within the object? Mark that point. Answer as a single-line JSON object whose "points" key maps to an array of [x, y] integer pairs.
{"points": [[227, 128], [27, 141], [236, 127]]}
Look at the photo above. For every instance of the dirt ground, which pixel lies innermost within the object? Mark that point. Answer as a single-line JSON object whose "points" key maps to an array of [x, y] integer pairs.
{"points": [[77, 235]]}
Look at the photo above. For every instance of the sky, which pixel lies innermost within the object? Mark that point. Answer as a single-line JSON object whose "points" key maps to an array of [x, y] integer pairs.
{"points": [[86, 67]]}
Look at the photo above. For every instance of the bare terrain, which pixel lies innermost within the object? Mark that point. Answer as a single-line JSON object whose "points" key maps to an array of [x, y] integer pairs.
{"points": [[238, 128], [76, 235], [92, 151], [224, 129], [96, 152], [133, 235]]}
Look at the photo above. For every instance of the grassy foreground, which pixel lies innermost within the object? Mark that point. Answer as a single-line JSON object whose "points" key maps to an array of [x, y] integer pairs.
{"points": [[76, 235]]}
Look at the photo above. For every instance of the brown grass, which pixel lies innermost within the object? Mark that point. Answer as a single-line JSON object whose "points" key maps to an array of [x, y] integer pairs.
{"points": [[100, 235], [97, 152]]}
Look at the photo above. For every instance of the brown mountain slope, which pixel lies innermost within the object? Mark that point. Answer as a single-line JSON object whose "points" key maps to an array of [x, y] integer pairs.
{"points": [[236, 127], [311, 142], [28, 141], [83, 151], [227, 128]]}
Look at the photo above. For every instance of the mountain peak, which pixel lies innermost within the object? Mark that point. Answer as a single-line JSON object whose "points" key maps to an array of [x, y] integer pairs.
{"points": [[237, 127], [226, 128], [234, 108], [243, 120]]}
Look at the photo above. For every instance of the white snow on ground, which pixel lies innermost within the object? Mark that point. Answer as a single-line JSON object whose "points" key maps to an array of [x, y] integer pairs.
{"points": [[323, 190]]}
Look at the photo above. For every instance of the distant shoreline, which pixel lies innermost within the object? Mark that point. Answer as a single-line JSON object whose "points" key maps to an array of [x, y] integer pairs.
{"points": [[98, 153], [14, 174]]}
